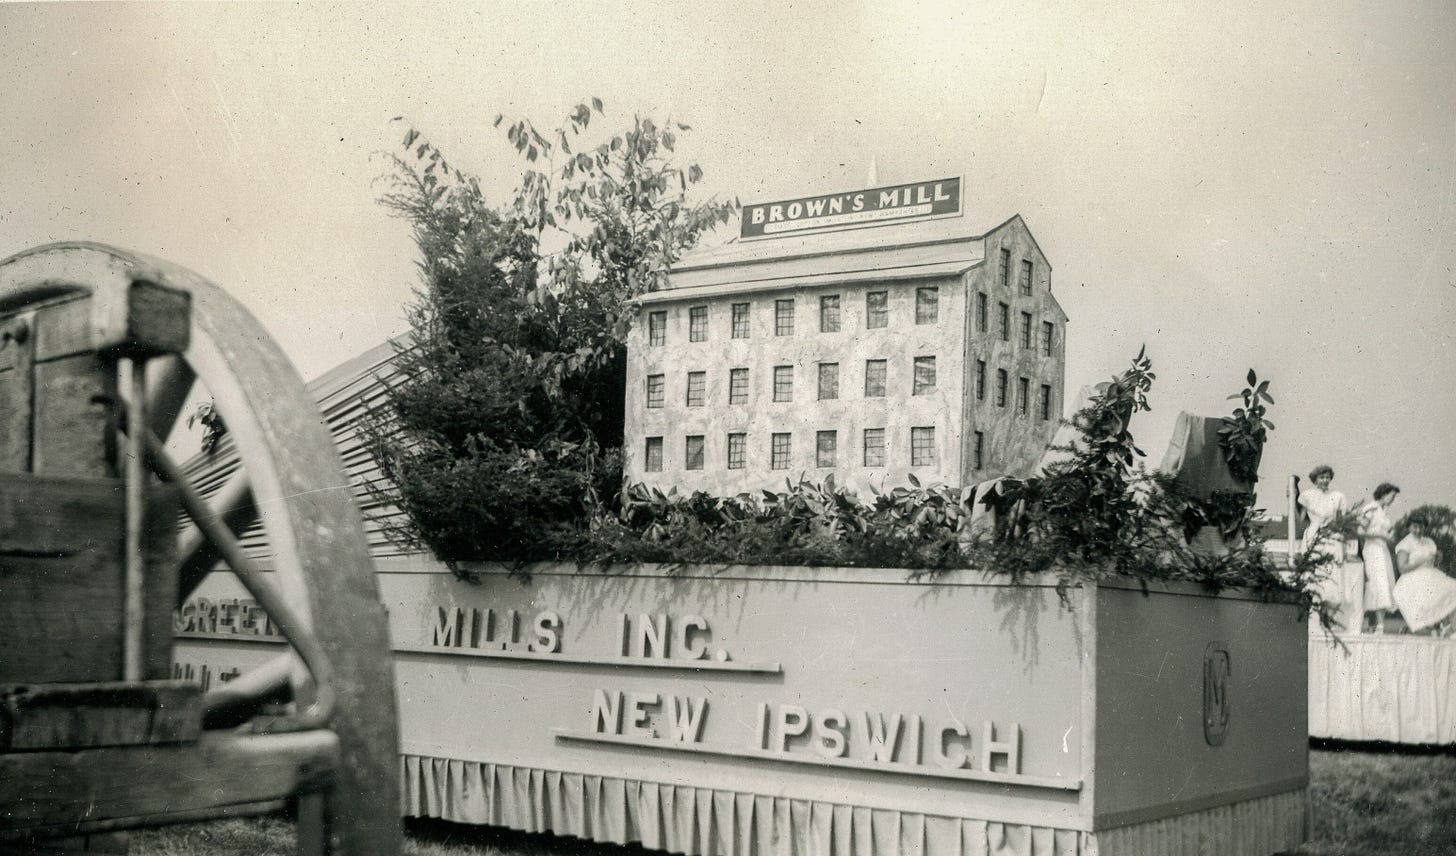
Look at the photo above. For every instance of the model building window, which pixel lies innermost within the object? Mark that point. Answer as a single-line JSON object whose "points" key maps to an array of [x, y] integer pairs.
{"points": [[737, 451], [1046, 402], [1003, 273], [1004, 313], [698, 324], [875, 378], [1001, 381], [783, 317], [828, 381], [656, 384], [697, 384], [738, 386], [829, 313], [982, 324], [980, 380], [922, 447], [783, 383], [653, 463], [979, 452], [1026, 330], [826, 448], [779, 452], [924, 376], [1048, 332], [1026, 276], [657, 328], [693, 452], [927, 304], [740, 321], [1023, 392], [874, 447], [877, 309]]}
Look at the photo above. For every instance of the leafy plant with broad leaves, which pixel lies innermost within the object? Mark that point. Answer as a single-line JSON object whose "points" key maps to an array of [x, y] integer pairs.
{"points": [[1242, 435], [503, 426], [1087, 509], [214, 429]]}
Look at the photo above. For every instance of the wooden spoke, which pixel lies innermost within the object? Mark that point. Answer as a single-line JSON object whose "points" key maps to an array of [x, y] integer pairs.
{"points": [[234, 702], [290, 622], [196, 554], [169, 382]]}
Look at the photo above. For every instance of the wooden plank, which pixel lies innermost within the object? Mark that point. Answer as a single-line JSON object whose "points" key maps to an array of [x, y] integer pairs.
{"points": [[47, 794], [42, 516], [143, 318], [89, 845], [63, 329], [314, 822], [82, 716], [17, 350], [158, 319], [61, 577], [99, 828], [73, 428]]}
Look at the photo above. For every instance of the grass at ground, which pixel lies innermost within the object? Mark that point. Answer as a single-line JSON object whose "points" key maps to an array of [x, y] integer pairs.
{"points": [[1366, 803], [1374, 803]]}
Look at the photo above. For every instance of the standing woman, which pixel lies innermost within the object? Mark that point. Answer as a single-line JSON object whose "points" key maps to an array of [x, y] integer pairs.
{"points": [[1323, 505], [1376, 530], [1343, 583]]}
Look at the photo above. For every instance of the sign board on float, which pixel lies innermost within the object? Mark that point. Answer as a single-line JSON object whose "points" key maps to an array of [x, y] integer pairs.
{"points": [[875, 206], [700, 709]]}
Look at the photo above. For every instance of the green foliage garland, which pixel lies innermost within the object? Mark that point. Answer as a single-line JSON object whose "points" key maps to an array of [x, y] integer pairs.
{"points": [[1093, 514]]}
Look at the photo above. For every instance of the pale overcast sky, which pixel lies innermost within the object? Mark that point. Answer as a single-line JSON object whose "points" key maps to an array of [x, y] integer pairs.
{"points": [[1237, 185]]}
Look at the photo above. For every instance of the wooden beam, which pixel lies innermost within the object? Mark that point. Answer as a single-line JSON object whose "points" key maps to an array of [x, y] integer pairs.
{"points": [[51, 794], [80, 716], [61, 586], [56, 846]]}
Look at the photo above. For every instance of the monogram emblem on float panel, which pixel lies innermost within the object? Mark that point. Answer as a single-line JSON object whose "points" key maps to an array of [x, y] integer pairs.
{"points": [[1217, 669]]}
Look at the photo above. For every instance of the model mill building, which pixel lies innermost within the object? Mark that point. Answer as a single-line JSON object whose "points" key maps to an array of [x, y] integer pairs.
{"points": [[871, 354]]}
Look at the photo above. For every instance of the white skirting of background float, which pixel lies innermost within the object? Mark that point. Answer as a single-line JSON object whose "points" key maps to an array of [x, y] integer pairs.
{"points": [[1396, 689], [701, 821]]}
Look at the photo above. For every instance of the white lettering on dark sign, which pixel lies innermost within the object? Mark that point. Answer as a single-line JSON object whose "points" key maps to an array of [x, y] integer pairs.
{"points": [[872, 207]]}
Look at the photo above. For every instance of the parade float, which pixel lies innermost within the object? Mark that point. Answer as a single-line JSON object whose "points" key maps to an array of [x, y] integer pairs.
{"points": [[1032, 663], [712, 708]]}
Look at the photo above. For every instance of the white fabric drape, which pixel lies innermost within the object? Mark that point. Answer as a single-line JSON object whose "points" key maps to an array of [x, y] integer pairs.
{"points": [[710, 822], [1399, 689]]}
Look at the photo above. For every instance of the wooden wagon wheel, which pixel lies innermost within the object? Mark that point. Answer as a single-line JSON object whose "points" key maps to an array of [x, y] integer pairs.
{"points": [[292, 480]]}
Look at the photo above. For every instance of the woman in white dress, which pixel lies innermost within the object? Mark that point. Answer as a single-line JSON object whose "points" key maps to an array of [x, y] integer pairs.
{"points": [[1323, 505], [1342, 584], [1376, 530], [1424, 594]]}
